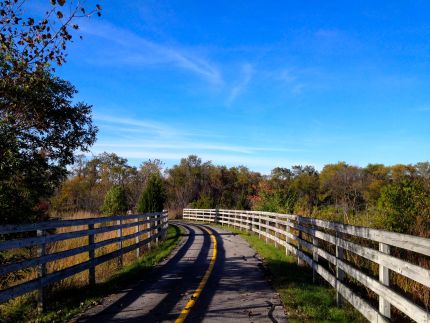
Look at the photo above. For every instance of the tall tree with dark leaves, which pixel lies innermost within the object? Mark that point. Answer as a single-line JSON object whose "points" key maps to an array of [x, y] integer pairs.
{"points": [[40, 126]]}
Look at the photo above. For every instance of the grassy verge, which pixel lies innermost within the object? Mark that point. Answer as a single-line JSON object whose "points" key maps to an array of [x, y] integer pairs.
{"points": [[303, 300], [65, 304]]}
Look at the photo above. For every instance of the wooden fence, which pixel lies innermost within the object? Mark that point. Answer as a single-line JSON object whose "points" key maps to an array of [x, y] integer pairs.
{"points": [[324, 245], [148, 228]]}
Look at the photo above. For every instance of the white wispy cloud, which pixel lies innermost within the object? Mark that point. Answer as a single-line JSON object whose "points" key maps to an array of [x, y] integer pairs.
{"points": [[184, 145], [134, 125], [246, 76], [130, 48], [290, 77]]}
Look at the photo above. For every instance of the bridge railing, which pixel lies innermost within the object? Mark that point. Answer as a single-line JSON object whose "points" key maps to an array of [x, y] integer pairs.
{"points": [[142, 230], [334, 250]]}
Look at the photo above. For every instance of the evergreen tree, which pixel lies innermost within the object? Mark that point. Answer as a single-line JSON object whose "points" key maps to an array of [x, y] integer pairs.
{"points": [[153, 196]]}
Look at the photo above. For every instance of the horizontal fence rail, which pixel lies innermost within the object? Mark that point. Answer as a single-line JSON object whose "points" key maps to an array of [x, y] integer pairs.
{"points": [[325, 245], [148, 228]]}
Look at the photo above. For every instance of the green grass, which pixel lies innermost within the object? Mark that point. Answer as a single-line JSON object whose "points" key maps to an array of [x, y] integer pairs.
{"points": [[65, 304], [303, 300]]}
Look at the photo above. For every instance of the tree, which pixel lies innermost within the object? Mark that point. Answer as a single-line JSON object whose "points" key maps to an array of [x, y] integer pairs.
{"points": [[375, 177], [305, 185], [40, 127], [139, 180], [342, 185], [185, 181], [153, 197], [91, 179], [38, 146], [115, 201]]}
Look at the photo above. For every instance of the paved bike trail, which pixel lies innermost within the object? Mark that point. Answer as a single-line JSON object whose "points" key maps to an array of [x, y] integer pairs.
{"points": [[235, 290]]}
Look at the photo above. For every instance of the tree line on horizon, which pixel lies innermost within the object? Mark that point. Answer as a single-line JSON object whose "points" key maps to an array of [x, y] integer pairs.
{"points": [[395, 198]]}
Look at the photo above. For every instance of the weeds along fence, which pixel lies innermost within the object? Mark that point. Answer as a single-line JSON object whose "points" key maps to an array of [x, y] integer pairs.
{"points": [[36, 255], [367, 267]]}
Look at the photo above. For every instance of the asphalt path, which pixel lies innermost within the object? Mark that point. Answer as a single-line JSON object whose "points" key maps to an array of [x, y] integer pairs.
{"points": [[213, 276]]}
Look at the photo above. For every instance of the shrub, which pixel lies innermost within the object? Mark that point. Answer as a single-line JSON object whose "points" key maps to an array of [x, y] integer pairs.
{"points": [[204, 202], [401, 203]]}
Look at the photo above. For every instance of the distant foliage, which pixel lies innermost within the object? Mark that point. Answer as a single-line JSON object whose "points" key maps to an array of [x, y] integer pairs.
{"points": [[223, 187], [153, 196], [243, 203], [86, 189], [204, 202], [276, 201], [115, 202]]}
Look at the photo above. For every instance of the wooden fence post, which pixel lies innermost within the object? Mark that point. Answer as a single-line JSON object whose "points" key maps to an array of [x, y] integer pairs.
{"points": [[259, 226], [300, 261], [276, 232], [267, 227], [384, 278], [314, 258], [157, 223], [287, 240], [119, 235], [339, 272], [41, 251], [164, 224], [137, 239], [91, 254], [148, 226]]}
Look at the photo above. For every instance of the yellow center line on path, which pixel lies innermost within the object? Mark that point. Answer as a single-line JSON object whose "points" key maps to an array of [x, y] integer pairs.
{"points": [[186, 310]]}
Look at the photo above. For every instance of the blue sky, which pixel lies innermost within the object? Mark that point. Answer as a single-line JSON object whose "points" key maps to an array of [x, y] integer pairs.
{"points": [[260, 83]]}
